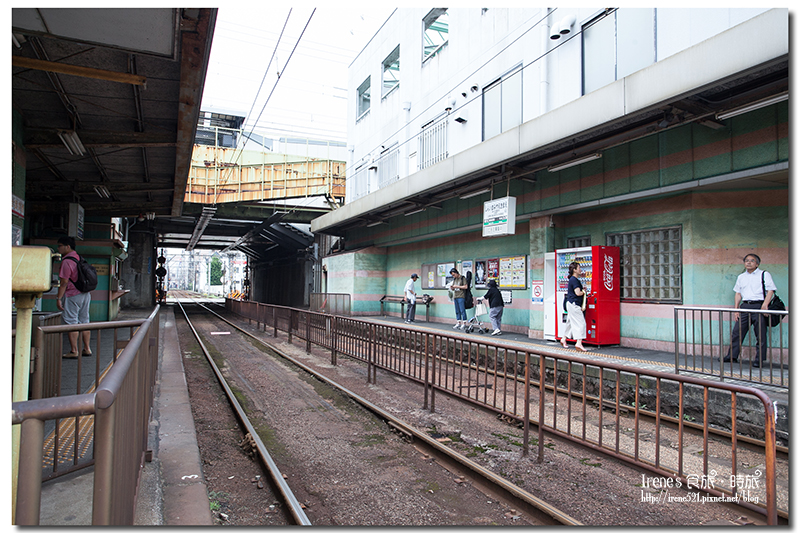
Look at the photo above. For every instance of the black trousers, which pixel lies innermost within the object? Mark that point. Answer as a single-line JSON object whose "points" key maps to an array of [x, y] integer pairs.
{"points": [[742, 327]]}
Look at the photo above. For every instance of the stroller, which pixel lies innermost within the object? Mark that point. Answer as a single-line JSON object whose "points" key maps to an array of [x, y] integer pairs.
{"points": [[480, 309]]}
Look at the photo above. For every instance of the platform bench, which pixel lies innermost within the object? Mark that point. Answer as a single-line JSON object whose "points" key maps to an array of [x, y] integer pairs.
{"points": [[388, 298]]}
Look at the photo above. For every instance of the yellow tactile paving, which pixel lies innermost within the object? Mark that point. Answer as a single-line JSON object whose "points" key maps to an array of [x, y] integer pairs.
{"points": [[66, 436]]}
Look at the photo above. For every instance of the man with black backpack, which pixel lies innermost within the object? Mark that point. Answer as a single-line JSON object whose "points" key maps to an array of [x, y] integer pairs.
{"points": [[75, 307]]}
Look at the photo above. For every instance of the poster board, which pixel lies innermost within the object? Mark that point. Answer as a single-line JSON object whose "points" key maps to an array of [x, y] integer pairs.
{"points": [[436, 275], [509, 272]]}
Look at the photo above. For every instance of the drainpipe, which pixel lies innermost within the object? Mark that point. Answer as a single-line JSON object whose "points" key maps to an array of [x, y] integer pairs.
{"points": [[407, 139], [544, 82]]}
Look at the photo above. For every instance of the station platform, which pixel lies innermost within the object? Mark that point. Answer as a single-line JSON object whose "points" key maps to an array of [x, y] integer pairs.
{"points": [[653, 360], [172, 490]]}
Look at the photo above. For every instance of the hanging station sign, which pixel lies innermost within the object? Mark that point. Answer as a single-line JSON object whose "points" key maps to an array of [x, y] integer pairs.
{"points": [[499, 216]]}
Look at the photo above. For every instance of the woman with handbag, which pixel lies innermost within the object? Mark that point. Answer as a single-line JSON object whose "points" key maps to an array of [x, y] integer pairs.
{"points": [[576, 323], [496, 305]]}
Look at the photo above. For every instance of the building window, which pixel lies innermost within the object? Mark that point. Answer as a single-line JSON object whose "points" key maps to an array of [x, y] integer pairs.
{"points": [[391, 71], [434, 33], [651, 264], [579, 242], [502, 104], [433, 142], [362, 98], [616, 45]]}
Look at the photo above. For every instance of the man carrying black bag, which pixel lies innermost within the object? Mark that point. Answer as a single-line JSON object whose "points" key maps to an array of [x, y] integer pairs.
{"points": [[754, 289]]}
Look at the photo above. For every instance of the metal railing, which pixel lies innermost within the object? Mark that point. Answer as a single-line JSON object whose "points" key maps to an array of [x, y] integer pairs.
{"points": [[44, 384], [703, 339], [644, 417], [121, 404], [330, 303]]}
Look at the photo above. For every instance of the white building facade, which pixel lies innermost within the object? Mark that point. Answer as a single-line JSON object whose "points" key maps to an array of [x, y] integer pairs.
{"points": [[435, 82], [607, 126]]}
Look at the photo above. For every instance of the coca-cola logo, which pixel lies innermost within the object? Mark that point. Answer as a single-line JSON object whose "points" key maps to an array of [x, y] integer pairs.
{"points": [[608, 273]]}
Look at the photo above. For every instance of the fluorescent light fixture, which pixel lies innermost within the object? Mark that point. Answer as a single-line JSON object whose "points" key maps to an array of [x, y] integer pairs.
{"points": [[414, 212], [574, 162], [102, 191], [474, 193], [376, 223], [752, 107], [72, 142]]}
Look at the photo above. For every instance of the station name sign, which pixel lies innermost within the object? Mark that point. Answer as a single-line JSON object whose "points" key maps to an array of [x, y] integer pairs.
{"points": [[499, 216]]}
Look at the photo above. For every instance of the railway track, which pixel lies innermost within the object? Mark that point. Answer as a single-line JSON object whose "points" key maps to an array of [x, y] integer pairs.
{"points": [[427, 456], [626, 429]]}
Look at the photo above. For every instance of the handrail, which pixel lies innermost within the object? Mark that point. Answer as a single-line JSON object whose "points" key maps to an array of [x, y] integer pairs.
{"points": [[703, 337], [731, 309], [108, 389], [122, 415]]}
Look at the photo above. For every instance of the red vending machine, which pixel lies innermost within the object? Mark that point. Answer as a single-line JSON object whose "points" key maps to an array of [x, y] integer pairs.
{"points": [[600, 280]]}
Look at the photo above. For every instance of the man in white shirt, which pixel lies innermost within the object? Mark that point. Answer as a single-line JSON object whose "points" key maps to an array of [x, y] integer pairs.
{"points": [[411, 298], [750, 294]]}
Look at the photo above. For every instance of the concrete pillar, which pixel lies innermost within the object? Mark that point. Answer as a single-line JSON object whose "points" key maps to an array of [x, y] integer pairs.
{"points": [[139, 268]]}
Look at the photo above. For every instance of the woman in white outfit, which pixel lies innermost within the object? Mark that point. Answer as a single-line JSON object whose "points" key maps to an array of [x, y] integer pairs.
{"points": [[576, 323]]}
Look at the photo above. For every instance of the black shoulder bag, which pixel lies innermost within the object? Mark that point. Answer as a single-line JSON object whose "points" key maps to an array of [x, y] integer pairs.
{"points": [[776, 304]]}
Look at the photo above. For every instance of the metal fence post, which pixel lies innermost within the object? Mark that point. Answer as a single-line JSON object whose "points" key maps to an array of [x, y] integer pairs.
{"points": [[308, 331], [526, 423], [770, 453], [540, 459], [334, 322], [427, 383], [104, 420], [29, 488]]}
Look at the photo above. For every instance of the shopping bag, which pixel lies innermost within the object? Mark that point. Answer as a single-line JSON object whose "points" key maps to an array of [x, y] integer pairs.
{"points": [[480, 309]]}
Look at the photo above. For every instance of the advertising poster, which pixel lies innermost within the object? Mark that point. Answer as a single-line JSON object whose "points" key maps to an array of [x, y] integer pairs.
{"points": [[480, 274], [492, 269]]}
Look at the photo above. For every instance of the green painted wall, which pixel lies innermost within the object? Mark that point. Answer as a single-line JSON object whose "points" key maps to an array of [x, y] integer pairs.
{"points": [[718, 226], [678, 155]]}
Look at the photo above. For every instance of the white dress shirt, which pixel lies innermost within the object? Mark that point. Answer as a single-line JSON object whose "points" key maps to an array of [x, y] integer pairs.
{"points": [[749, 285], [410, 293]]}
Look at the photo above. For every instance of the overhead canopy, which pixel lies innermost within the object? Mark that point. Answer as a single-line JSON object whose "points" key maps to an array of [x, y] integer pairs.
{"points": [[109, 100]]}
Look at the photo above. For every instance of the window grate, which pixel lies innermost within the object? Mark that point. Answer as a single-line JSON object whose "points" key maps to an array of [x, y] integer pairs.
{"points": [[358, 185], [579, 242], [388, 168], [433, 143]]}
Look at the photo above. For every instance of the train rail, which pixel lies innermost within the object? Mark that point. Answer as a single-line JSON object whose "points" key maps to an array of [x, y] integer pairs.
{"points": [[526, 506], [490, 388]]}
